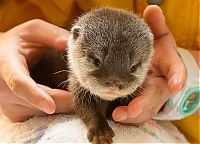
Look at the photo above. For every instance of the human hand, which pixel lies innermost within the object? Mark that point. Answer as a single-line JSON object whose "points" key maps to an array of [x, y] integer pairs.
{"points": [[21, 48], [166, 77]]}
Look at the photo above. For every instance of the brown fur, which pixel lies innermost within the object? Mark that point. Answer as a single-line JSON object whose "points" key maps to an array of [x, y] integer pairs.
{"points": [[119, 40]]}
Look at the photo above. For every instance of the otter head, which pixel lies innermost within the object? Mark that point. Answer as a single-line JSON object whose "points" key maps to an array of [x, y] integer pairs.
{"points": [[109, 52]]}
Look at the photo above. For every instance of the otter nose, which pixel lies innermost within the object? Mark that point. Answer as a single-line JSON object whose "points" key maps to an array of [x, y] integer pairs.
{"points": [[112, 88], [113, 85]]}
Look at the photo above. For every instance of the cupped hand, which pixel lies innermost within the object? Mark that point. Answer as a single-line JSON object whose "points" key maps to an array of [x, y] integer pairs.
{"points": [[166, 76], [20, 49]]}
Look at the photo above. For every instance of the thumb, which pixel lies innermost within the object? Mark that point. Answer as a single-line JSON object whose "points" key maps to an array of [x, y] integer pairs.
{"points": [[38, 31], [63, 99], [166, 56]]}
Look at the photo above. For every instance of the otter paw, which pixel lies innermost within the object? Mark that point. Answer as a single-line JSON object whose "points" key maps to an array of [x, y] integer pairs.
{"points": [[100, 134]]}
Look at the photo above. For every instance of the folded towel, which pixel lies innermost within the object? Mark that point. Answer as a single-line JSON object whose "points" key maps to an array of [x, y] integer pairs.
{"points": [[70, 129]]}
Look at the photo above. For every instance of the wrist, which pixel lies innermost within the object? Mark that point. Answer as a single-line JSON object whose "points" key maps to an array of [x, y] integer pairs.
{"points": [[187, 100]]}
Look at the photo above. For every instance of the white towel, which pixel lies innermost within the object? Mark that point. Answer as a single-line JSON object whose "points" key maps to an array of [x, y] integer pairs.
{"points": [[70, 129]]}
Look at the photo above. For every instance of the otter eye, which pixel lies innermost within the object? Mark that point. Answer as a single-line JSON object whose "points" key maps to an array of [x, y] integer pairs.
{"points": [[97, 62], [134, 67]]}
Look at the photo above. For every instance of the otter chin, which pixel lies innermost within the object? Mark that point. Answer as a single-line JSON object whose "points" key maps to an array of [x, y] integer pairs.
{"points": [[108, 93], [109, 54]]}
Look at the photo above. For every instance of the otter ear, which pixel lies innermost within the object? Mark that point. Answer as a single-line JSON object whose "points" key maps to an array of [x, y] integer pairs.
{"points": [[76, 31]]}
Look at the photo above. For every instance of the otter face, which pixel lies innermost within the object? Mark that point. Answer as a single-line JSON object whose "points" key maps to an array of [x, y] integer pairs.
{"points": [[110, 58]]}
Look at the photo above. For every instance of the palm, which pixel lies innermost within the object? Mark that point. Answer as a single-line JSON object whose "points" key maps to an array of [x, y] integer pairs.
{"points": [[20, 49]]}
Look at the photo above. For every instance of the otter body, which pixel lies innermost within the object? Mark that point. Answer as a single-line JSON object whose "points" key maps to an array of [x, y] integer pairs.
{"points": [[109, 54]]}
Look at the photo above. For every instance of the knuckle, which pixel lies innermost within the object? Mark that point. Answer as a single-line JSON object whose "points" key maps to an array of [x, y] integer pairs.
{"points": [[14, 83], [34, 24]]}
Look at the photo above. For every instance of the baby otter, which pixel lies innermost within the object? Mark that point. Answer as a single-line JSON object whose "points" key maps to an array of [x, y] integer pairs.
{"points": [[109, 54]]}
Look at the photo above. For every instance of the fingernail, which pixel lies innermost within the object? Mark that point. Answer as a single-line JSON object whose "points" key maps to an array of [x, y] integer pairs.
{"points": [[45, 106], [175, 80], [175, 84], [123, 116]]}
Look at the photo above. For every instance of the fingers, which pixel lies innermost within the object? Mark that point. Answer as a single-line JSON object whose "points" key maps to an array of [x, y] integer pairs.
{"points": [[155, 19], [18, 110], [38, 31], [177, 77], [166, 55], [145, 106], [63, 99], [17, 78]]}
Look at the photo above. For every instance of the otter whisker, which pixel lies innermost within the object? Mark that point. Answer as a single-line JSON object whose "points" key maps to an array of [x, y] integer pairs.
{"points": [[63, 58], [63, 82], [61, 71]]}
